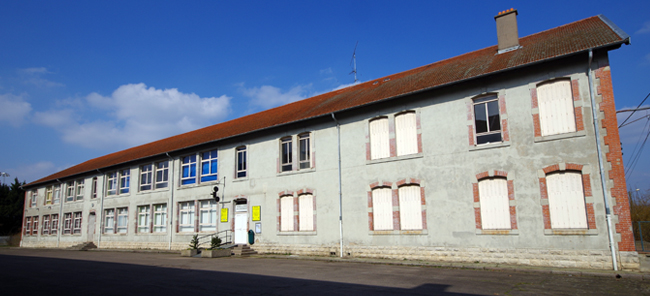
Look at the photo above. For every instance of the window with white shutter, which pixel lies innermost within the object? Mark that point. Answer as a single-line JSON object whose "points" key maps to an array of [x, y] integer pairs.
{"points": [[495, 205], [286, 213], [410, 207], [382, 208], [556, 110], [306, 204], [566, 200], [406, 133], [379, 143]]}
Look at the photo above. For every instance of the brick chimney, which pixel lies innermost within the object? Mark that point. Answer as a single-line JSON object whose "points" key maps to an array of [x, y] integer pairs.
{"points": [[507, 31]]}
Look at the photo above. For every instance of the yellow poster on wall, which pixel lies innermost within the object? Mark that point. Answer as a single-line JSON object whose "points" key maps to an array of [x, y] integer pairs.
{"points": [[257, 213], [224, 215]]}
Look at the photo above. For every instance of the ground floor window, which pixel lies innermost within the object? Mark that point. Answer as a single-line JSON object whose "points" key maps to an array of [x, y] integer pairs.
{"points": [[122, 220], [77, 223], [144, 219], [55, 223], [186, 216], [208, 215], [67, 223], [160, 218]]}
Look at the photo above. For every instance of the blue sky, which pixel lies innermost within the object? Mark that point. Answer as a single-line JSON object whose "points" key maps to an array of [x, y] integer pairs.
{"points": [[80, 79]]}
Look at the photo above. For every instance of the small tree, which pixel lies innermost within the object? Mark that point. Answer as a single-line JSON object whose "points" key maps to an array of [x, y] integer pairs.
{"points": [[194, 243], [215, 243]]}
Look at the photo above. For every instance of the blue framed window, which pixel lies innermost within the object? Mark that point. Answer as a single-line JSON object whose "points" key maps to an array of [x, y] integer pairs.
{"points": [[209, 163], [188, 169], [125, 181]]}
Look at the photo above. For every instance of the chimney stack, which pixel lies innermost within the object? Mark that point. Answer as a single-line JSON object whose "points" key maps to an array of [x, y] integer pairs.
{"points": [[507, 31]]}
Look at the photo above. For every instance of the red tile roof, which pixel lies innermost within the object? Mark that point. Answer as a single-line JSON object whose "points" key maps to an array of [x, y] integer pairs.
{"points": [[590, 33]]}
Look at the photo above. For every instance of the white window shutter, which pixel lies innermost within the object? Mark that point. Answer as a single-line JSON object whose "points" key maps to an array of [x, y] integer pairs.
{"points": [[382, 208], [566, 200], [286, 213], [379, 144], [306, 203], [555, 103], [410, 208], [406, 133], [495, 205]]}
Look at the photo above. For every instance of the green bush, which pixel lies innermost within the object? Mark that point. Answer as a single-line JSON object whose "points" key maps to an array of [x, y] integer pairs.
{"points": [[215, 243], [194, 243]]}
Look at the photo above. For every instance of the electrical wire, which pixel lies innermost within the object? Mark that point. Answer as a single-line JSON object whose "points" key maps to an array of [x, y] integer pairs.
{"points": [[634, 160], [637, 107]]}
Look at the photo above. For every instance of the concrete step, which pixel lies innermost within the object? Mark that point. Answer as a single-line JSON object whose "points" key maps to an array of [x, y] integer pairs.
{"points": [[243, 251], [85, 246]]}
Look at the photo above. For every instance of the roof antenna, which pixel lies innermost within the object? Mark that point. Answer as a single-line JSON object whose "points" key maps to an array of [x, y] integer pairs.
{"points": [[354, 61]]}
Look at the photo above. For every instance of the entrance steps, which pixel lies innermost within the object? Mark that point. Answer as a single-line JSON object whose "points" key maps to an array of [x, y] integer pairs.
{"points": [[83, 246], [243, 251]]}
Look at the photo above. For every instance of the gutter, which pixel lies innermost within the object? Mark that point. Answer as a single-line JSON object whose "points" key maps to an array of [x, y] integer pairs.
{"points": [[338, 132], [171, 200], [61, 221], [101, 211], [608, 212]]}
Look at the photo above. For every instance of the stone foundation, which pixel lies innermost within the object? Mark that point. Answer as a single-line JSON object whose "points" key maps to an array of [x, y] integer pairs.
{"points": [[592, 259]]}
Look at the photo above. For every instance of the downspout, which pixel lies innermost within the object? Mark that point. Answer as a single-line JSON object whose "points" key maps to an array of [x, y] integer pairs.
{"points": [[101, 212], [58, 230], [338, 132], [171, 201], [608, 214]]}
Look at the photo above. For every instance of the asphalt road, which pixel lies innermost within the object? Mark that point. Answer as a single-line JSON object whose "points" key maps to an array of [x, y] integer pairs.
{"points": [[62, 272]]}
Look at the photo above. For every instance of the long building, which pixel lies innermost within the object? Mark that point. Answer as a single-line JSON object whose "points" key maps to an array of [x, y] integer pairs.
{"points": [[491, 156]]}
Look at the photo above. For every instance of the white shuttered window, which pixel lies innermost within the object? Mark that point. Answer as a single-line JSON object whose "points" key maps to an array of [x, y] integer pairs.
{"points": [[286, 213], [382, 209], [555, 103], [306, 203], [410, 208], [406, 133], [566, 200], [495, 206], [379, 144]]}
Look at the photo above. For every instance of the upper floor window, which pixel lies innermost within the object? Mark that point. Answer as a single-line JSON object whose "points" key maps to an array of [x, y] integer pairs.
{"points": [[379, 138], [69, 191], [556, 110], [125, 181], [305, 151], [162, 174], [188, 168], [118, 182], [49, 194], [80, 190], [487, 120], [57, 194], [146, 177], [286, 154], [406, 133], [94, 187], [33, 197], [241, 162], [209, 166]]}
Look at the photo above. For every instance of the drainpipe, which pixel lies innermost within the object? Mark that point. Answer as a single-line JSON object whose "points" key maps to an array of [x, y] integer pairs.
{"points": [[338, 132], [58, 230], [171, 200], [101, 211], [608, 213]]}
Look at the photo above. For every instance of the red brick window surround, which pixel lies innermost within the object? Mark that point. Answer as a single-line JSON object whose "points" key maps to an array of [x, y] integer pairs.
{"points": [[484, 125], [296, 211], [394, 135], [496, 186], [589, 221], [552, 119], [397, 208]]}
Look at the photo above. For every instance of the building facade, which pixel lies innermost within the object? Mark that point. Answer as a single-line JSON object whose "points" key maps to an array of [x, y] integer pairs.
{"points": [[491, 156]]}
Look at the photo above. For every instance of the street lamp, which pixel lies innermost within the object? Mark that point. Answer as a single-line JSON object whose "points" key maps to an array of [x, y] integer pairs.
{"points": [[4, 175]]}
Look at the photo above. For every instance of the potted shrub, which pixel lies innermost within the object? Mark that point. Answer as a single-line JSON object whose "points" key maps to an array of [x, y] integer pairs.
{"points": [[193, 250], [215, 250]]}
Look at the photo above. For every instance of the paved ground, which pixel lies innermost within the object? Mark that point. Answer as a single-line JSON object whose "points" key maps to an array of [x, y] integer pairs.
{"points": [[62, 272]]}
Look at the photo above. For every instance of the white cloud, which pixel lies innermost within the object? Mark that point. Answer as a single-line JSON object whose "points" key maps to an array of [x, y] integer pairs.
{"points": [[268, 96], [327, 71], [645, 29], [135, 114], [342, 86], [14, 109], [33, 76], [32, 172]]}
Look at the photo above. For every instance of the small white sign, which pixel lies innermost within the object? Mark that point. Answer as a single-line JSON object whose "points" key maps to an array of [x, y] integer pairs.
{"points": [[241, 208]]}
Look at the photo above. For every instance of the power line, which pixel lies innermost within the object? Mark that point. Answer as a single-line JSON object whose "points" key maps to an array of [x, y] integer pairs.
{"points": [[634, 160], [637, 107]]}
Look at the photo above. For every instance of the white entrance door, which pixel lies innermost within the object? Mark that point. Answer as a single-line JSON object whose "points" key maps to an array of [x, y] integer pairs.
{"points": [[241, 231]]}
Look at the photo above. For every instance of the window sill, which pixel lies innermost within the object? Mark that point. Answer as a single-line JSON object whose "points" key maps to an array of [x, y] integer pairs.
{"points": [[395, 158], [116, 234], [152, 191], [118, 195], [560, 136], [570, 231], [241, 179], [398, 232], [297, 233], [152, 233], [497, 231], [489, 146], [289, 173]]}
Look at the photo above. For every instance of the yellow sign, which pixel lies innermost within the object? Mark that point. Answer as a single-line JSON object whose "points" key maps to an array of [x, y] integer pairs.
{"points": [[224, 215], [257, 213]]}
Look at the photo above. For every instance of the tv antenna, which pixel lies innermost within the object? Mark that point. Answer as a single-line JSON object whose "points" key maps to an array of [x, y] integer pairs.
{"points": [[354, 62]]}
